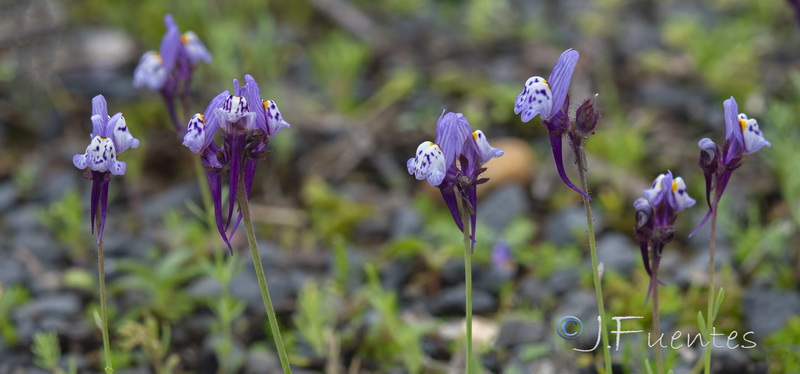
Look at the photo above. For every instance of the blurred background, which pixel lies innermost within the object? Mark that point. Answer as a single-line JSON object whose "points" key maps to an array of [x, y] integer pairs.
{"points": [[364, 262]]}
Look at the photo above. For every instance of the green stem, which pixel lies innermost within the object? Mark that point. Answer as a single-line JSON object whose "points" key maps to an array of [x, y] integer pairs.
{"points": [[468, 279], [711, 294], [101, 272], [598, 289], [657, 318], [262, 281]]}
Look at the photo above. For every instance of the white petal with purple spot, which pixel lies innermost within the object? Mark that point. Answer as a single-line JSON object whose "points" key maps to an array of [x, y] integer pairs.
{"points": [[536, 98], [753, 137], [195, 48], [100, 156], [275, 122], [122, 136], [681, 195], [655, 189], [235, 114], [151, 71], [486, 151], [195, 137], [428, 163]]}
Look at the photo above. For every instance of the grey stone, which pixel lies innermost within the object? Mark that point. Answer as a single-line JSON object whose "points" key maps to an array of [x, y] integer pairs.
{"points": [[532, 292], [695, 270], [406, 222], [205, 287], [261, 361], [452, 301], [174, 197], [766, 310], [503, 205], [8, 194], [516, 332], [61, 304], [582, 305], [12, 272], [563, 281], [617, 252], [568, 226], [55, 187]]}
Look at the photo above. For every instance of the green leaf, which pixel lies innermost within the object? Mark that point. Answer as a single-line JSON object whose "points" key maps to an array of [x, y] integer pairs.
{"points": [[717, 304], [701, 322]]}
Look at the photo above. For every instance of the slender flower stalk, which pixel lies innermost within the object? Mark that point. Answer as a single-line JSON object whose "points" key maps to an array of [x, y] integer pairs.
{"points": [[468, 283], [656, 214], [549, 99], [241, 196], [454, 164], [101, 272], [742, 136], [110, 137], [598, 285], [247, 123]]}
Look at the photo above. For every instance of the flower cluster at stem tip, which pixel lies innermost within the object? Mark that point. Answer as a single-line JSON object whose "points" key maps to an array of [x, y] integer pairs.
{"points": [[247, 123]]}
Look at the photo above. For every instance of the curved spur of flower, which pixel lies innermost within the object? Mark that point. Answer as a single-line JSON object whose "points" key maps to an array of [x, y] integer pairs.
{"points": [[548, 99], [110, 137], [428, 163], [195, 49], [236, 121], [644, 229], [545, 97]]}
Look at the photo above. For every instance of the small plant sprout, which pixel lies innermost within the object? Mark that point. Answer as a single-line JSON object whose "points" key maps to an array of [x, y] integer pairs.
{"points": [[742, 136], [110, 137], [247, 123], [549, 100], [457, 182], [169, 71], [655, 227]]}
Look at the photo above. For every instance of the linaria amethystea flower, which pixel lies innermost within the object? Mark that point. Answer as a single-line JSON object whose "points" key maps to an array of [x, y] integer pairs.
{"points": [[742, 136], [655, 218], [110, 137], [169, 70], [454, 163], [548, 99], [246, 123]]}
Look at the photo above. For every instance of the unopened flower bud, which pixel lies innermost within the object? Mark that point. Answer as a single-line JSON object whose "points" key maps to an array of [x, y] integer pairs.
{"points": [[586, 117]]}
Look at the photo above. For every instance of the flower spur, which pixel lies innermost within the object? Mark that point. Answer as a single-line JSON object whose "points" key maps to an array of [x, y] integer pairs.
{"points": [[742, 136], [437, 163], [548, 99], [110, 137], [247, 123]]}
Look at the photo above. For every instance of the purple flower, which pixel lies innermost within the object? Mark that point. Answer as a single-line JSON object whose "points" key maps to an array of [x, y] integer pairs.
{"points": [[655, 219], [169, 70], [247, 123], [549, 100], [110, 137], [502, 259], [742, 136], [436, 162]]}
